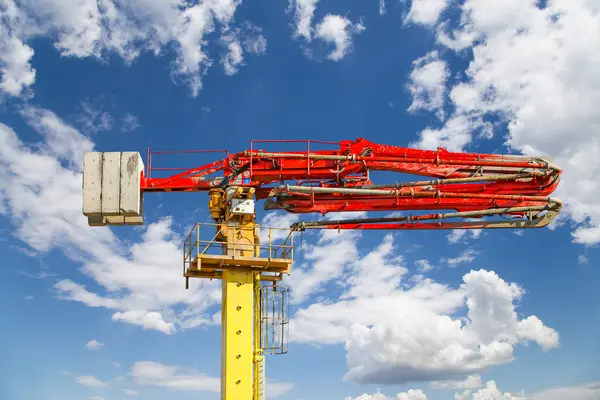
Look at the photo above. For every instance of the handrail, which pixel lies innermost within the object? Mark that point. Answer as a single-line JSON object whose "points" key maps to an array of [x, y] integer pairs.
{"points": [[276, 247]]}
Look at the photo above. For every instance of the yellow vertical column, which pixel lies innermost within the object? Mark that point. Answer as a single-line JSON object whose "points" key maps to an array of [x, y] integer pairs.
{"points": [[237, 347]]}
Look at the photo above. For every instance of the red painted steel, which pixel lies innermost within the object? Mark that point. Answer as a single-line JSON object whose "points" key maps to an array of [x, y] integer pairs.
{"points": [[510, 181]]}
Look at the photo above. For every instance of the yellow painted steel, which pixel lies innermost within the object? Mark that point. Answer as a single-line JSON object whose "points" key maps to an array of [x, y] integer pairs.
{"points": [[237, 349], [241, 269], [238, 368]]}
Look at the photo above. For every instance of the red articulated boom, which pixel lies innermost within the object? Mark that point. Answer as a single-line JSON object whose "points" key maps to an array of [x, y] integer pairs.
{"points": [[458, 191]]}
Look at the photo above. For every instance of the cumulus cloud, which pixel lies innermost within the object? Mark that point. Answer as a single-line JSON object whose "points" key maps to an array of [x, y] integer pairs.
{"points": [[491, 391], [395, 333], [338, 30], [97, 29], [532, 72], [333, 29], [412, 394], [304, 11], [427, 84], [140, 281], [426, 12]]}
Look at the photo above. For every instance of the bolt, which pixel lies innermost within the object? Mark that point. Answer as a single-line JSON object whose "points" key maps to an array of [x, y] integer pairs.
{"points": [[238, 332], [238, 382], [238, 356], [238, 308], [239, 284]]}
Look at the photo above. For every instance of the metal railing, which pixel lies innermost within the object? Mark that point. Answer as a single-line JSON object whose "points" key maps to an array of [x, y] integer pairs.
{"points": [[211, 239]]}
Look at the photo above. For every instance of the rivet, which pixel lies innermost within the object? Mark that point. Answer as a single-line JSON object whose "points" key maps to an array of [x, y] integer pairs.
{"points": [[238, 332], [238, 356], [238, 308], [238, 382], [239, 284]]}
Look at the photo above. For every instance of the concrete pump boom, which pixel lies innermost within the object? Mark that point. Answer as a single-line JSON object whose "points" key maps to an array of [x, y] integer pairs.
{"points": [[459, 191]]}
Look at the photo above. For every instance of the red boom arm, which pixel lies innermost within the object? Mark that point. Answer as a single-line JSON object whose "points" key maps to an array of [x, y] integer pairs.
{"points": [[472, 185]]}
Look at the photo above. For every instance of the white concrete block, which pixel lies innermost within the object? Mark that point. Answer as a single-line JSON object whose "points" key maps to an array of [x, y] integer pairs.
{"points": [[111, 179], [92, 184], [131, 196]]}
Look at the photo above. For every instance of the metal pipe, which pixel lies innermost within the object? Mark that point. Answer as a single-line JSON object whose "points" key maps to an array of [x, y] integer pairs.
{"points": [[355, 158], [402, 192], [482, 178], [462, 214]]}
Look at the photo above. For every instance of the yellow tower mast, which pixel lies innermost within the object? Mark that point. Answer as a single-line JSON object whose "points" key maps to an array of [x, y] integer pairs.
{"points": [[241, 268]]}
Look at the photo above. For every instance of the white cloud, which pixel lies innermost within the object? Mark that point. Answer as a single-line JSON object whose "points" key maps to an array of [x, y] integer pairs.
{"points": [[393, 335], [581, 259], [97, 29], [465, 395], [233, 57], [130, 123], [532, 72], [454, 135], [278, 389], [94, 118], [333, 29], [531, 328], [131, 392], [146, 319], [365, 396], [470, 382], [338, 30], [491, 392], [304, 11], [586, 391], [140, 281], [15, 64], [412, 394], [427, 84], [157, 374], [382, 9], [460, 235], [94, 345], [91, 381], [280, 223], [424, 265], [324, 262], [466, 256], [426, 12]]}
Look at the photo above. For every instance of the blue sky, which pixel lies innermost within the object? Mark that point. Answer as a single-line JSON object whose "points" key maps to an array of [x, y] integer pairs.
{"points": [[102, 313]]}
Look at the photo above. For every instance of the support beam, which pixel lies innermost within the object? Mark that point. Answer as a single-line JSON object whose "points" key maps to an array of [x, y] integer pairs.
{"points": [[237, 349]]}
